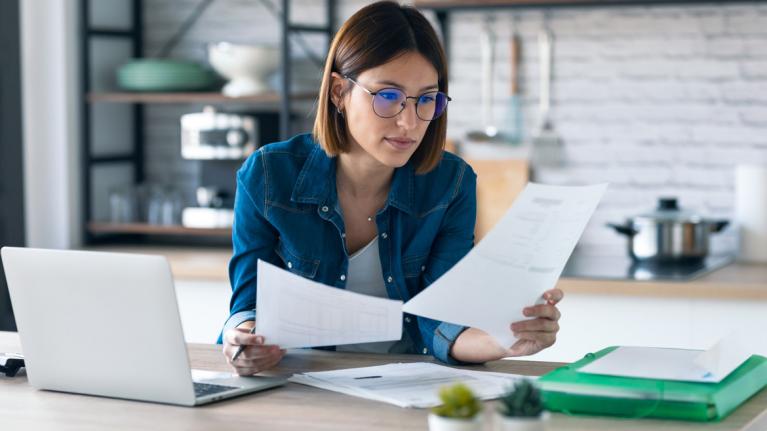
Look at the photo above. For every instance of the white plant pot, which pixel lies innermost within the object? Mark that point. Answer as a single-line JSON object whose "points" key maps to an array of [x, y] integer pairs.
{"points": [[506, 423], [441, 423]]}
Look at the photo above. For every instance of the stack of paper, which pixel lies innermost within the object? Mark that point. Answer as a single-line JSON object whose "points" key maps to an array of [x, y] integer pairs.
{"points": [[704, 366], [407, 385]]}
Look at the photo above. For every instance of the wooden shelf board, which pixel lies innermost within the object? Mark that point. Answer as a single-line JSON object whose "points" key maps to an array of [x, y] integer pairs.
{"points": [[188, 97], [144, 228]]}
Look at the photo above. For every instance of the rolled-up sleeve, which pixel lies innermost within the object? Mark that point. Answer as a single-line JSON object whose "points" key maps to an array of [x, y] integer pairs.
{"points": [[454, 240]]}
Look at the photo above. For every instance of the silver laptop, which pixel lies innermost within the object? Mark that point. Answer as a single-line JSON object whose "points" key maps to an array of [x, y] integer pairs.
{"points": [[108, 324]]}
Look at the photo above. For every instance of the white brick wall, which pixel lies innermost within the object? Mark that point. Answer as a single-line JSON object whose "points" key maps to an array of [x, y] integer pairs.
{"points": [[660, 100]]}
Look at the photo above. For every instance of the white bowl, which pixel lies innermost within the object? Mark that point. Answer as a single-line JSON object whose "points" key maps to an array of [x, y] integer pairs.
{"points": [[246, 66]]}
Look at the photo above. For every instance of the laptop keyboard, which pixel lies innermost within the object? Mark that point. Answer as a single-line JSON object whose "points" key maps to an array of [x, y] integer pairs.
{"points": [[203, 389]]}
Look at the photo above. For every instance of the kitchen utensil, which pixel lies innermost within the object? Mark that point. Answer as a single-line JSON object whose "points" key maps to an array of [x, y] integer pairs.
{"points": [[547, 146], [513, 122], [669, 234], [247, 66], [164, 75], [490, 132]]}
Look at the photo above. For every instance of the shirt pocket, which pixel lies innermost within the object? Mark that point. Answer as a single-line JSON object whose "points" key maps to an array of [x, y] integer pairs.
{"points": [[413, 266], [296, 264]]}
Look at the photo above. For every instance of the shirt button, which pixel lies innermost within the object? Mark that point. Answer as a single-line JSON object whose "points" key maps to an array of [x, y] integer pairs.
{"points": [[325, 209], [425, 350], [343, 235], [407, 319], [423, 268], [290, 265], [389, 279], [343, 277], [384, 235]]}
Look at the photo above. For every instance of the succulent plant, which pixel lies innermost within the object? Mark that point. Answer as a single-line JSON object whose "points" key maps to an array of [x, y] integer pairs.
{"points": [[522, 400], [458, 402]]}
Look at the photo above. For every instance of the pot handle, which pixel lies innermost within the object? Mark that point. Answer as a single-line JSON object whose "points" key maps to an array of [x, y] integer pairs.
{"points": [[719, 225], [623, 229]]}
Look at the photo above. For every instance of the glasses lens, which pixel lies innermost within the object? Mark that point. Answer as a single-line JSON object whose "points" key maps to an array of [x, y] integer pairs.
{"points": [[388, 102], [431, 105]]}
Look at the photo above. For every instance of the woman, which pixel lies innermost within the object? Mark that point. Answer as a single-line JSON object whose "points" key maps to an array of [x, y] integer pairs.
{"points": [[369, 202]]}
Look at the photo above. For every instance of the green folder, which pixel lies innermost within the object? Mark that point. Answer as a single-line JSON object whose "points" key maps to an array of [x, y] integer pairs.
{"points": [[567, 390]]}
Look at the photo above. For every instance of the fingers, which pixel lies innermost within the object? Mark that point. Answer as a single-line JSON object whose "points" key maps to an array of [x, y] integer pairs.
{"points": [[553, 296], [535, 325], [255, 356], [545, 311], [543, 339], [240, 336], [255, 359]]}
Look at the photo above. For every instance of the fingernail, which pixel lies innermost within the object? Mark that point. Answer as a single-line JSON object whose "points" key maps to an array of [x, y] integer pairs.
{"points": [[527, 311], [260, 340]]}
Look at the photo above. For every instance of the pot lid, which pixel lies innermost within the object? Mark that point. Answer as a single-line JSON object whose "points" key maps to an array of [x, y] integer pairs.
{"points": [[668, 210]]}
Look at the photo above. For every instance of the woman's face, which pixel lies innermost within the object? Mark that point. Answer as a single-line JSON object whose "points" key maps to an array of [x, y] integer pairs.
{"points": [[388, 141]]}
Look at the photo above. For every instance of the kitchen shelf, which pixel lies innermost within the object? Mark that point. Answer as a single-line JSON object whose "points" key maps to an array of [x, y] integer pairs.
{"points": [[97, 62], [150, 229], [190, 97]]}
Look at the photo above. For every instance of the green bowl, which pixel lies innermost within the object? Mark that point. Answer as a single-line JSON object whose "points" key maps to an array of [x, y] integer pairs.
{"points": [[164, 75]]}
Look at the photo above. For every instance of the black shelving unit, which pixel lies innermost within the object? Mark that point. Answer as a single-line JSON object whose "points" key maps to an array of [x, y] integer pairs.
{"points": [[283, 102], [135, 35]]}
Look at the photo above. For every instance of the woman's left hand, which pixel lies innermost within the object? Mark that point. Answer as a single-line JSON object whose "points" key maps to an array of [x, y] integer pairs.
{"points": [[539, 333]]}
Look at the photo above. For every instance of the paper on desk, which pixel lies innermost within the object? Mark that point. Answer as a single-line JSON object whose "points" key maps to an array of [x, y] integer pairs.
{"points": [[407, 385], [296, 312], [707, 366], [511, 268], [726, 355]]}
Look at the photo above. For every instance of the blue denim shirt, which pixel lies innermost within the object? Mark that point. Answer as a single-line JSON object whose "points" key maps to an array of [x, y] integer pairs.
{"points": [[287, 213]]}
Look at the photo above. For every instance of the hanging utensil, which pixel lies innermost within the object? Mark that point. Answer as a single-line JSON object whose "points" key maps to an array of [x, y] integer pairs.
{"points": [[513, 120], [547, 148], [490, 132]]}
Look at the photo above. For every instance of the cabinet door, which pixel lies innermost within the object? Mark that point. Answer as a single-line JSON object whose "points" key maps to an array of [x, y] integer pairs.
{"points": [[11, 197], [592, 322]]}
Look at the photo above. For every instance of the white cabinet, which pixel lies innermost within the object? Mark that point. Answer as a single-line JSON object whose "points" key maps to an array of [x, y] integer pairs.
{"points": [[591, 322], [204, 307]]}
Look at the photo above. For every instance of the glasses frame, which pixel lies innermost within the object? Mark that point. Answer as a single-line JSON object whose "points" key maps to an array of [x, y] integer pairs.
{"points": [[373, 93]]}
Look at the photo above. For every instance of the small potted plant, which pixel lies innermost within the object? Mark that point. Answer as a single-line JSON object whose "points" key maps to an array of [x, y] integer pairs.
{"points": [[459, 410], [521, 409]]}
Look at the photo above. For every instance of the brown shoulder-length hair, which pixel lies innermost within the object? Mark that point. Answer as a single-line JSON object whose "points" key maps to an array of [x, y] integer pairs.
{"points": [[375, 35]]}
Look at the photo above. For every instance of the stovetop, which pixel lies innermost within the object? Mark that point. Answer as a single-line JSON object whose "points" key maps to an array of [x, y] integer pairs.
{"points": [[624, 268]]}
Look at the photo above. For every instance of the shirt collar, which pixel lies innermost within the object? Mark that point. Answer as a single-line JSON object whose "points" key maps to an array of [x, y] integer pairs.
{"points": [[317, 179]]}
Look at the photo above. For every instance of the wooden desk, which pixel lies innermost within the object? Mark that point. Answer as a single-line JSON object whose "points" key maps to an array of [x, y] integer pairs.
{"points": [[292, 407]]}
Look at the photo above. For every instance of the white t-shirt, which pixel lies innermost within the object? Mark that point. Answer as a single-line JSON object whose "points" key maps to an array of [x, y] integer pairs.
{"points": [[366, 277]]}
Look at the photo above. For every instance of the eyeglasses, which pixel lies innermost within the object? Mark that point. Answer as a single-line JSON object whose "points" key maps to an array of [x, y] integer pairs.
{"points": [[389, 102]]}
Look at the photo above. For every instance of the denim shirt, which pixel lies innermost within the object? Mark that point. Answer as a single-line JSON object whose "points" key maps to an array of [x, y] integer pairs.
{"points": [[287, 213]]}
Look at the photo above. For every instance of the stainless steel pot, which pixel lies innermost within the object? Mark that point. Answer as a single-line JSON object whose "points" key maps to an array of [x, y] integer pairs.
{"points": [[668, 234]]}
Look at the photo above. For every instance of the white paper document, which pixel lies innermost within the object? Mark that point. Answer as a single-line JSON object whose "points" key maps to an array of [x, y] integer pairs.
{"points": [[296, 312], [407, 385], [707, 366], [511, 268]]}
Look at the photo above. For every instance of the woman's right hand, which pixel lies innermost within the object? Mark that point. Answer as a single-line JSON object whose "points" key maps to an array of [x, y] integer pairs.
{"points": [[256, 356]]}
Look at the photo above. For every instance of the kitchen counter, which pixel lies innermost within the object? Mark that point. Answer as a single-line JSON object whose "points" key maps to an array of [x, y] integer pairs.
{"points": [[736, 281]]}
